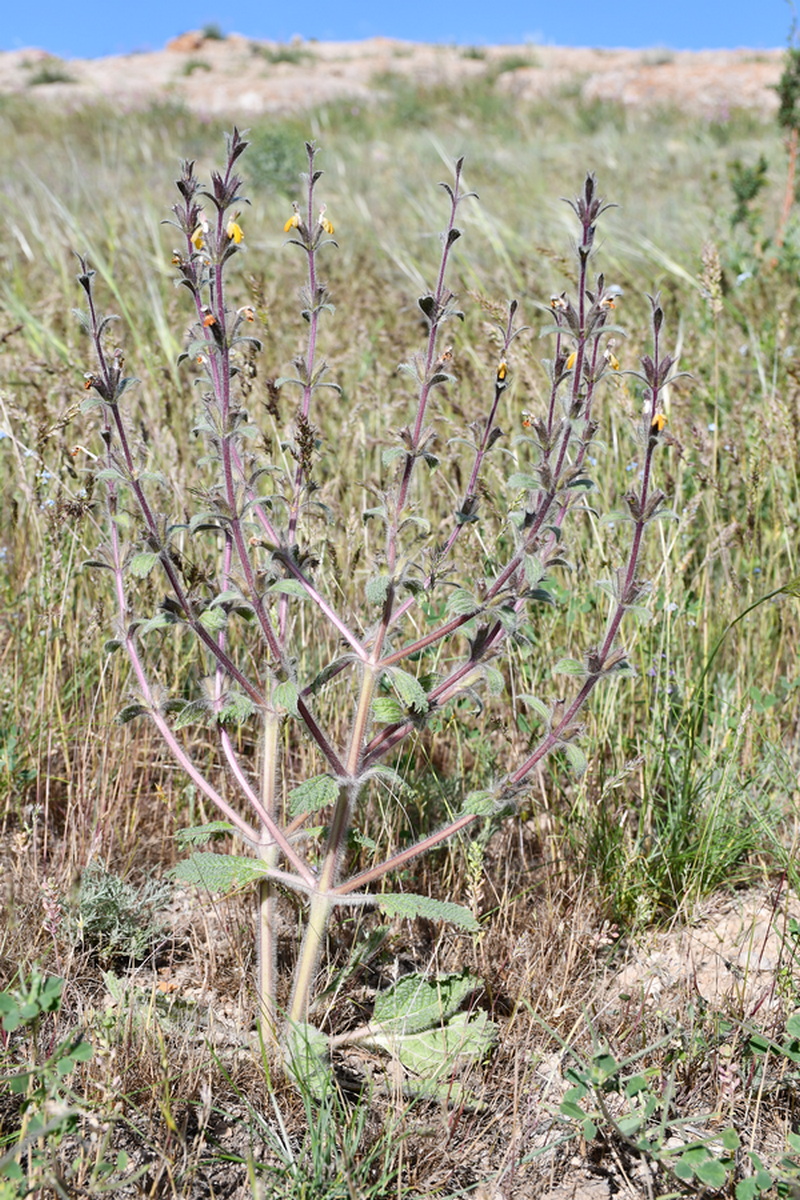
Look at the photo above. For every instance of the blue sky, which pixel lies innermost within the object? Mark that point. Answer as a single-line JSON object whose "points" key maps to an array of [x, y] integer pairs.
{"points": [[90, 28]]}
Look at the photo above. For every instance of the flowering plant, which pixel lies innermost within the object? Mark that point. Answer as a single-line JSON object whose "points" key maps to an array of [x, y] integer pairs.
{"points": [[238, 570]]}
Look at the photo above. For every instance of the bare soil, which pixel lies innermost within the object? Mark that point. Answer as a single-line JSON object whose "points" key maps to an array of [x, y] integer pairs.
{"points": [[242, 78]]}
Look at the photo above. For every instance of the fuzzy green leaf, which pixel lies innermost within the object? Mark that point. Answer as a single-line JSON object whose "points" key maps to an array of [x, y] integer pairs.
{"points": [[190, 713], [388, 710], [409, 905], [432, 1053], [391, 454], [142, 564], [213, 619], [289, 587], [202, 833], [313, 794], [576, 758], [308, 1061], [569, 666], [218, 872], [479, 803], [130, 712], [377, 589], [410, 690], [521, 481], [461, 603], [159, 621], [236, 709], [285, 695], [416, 1002]]}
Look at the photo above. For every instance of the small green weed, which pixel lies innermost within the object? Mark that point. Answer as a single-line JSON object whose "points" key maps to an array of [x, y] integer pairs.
{"points": [[113, 919]]}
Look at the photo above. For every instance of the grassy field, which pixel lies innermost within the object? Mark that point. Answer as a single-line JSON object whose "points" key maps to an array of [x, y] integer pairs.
{"points": [[690, 794]]}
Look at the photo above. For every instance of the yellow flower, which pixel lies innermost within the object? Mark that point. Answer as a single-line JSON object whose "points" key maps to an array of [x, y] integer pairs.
{"points": [[234, 232], [611, 359], [571, 360], [197, 238], [657, 424], [324, 222], [502, 371], [294, 221]]}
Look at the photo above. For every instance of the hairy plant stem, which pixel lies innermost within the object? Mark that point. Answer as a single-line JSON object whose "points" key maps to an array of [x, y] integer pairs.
{"points": [[267, 899], [322, 904]]}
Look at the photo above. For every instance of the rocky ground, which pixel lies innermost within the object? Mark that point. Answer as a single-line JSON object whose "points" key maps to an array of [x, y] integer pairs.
{"points": [[243, 78]]}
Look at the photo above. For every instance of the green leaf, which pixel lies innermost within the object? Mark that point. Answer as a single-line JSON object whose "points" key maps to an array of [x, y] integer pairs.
{"points": [[218, 872], [712, 1173], [213, 619], [521, 481], [409, 905], [190, 713], [285, 695], [142, 564], [568, 1108], [495, 680], [391, 454], [409, 690], [576, 758], [630, 1124], [313, 794], [683, 1170], [236, 709], [638, 1083], [539, 707], [308, 1061], [202, 833], [535, 570], [569, 666], [377, 589], [747, 1189], [461, 603], [82, 1052], [379, 511], [793, 1025], [731, 1140], [387, 709], [480, 804], [130, 712], [416, 1002], [289, 587], [159, 621], [604, 1067], [430, 1053]]}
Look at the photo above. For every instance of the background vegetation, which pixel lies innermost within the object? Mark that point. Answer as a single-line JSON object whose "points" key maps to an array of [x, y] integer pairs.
{"points": [[692, 783]]}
